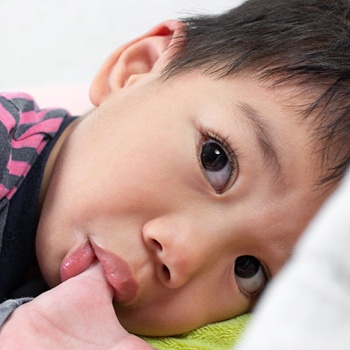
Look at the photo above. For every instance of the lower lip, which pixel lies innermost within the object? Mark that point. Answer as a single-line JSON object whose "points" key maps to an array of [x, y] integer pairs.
{"points": [[118, 274], [77, 261]]}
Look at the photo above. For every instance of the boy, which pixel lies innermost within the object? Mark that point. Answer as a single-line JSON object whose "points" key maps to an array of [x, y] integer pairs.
{"points": [[212, 144]]}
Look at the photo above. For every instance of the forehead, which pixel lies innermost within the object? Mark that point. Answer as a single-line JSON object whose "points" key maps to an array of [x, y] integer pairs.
{"points": [[288, 96]]}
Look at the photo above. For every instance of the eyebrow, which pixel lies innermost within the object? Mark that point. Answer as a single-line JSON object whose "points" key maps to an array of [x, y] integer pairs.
{"points": [[263, 132]]}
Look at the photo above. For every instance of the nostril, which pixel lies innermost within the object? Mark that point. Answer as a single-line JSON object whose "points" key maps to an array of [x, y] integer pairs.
{"points": [[157, 245], [166, 273]]}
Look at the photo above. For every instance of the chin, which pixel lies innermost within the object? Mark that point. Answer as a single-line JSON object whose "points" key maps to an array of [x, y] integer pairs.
{"points": [[152, 329]]}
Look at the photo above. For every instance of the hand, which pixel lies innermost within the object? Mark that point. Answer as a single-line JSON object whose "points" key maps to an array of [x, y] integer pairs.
{"points": [[77, 314]]}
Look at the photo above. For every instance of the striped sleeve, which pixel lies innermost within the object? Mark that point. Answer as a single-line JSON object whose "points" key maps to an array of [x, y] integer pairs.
{"points": [[24, 131]]}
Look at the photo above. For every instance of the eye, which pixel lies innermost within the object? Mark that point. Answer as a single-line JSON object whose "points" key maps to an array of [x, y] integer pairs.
{"points": [[250, 275], [218, 163]]}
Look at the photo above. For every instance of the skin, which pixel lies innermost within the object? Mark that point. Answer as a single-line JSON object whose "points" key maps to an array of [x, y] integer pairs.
{"points": [[77, 314], [129, 178]]}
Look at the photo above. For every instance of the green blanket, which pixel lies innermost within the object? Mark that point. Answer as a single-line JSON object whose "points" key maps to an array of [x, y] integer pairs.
{"points": [[216, 336]]}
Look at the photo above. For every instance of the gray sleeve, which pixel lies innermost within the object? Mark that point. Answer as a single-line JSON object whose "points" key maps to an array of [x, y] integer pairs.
{"points": [[8, 306]]}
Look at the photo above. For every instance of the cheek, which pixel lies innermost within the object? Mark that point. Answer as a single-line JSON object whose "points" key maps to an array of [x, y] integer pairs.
{"points": [[114, 176], [53, 241], [133, 172], [110, 176]]}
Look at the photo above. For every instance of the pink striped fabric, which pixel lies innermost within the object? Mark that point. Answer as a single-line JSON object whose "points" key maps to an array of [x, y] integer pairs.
{"points": [[24, 131], [27, 131]]}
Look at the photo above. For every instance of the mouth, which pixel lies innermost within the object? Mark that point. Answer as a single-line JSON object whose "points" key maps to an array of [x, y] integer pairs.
{"points": [[117, 271]]}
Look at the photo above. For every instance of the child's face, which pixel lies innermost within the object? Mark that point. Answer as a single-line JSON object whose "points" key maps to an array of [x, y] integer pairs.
{"points": [[178, 180]]}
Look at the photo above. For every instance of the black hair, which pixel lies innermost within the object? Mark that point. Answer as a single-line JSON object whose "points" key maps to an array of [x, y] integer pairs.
{"points": [[306, 42]]}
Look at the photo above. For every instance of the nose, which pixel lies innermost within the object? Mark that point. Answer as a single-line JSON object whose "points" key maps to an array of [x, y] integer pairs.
{"points": [[177, 251]]}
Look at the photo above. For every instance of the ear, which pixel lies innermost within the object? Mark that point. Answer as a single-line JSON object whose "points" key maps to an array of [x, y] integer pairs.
{"points": [[148, 53]]}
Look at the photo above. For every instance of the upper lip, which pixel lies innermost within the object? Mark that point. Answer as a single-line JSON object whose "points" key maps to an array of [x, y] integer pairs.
{"points": [[117, 273]]}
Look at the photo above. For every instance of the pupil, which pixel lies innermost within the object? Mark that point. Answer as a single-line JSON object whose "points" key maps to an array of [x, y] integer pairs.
{"points": [[213, 157], [246, 266]]}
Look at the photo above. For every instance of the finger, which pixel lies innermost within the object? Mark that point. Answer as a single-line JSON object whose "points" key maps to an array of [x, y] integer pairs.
{"points": [[92, 278]]}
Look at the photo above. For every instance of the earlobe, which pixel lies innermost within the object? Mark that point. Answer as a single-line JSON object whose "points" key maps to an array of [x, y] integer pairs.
{"points": [[146, 54]]}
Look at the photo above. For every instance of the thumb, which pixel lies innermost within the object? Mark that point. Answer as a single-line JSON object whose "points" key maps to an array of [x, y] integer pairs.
{"points": [[80, 302], [90, 286], [93, 276], [92, 301]]}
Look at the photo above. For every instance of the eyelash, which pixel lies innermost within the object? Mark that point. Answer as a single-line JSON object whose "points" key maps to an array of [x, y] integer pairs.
{"points": [[222, 140], [232, 154]]}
